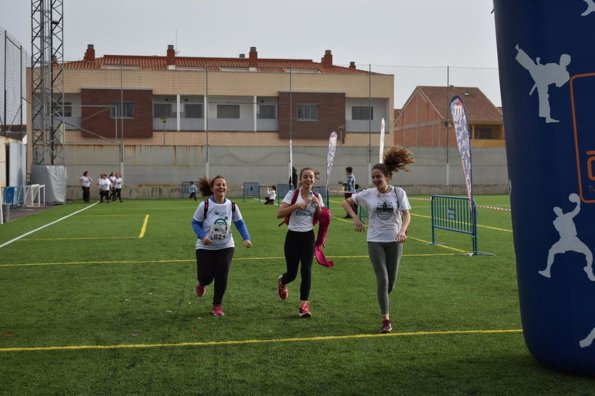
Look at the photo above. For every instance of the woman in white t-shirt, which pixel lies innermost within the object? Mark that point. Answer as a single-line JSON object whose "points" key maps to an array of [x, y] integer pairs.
{"points": [[388, 220], [86, 186], [300, 240], [215, 246]]}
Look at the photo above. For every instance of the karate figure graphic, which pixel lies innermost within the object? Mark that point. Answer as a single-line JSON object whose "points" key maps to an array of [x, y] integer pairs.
{"points": [[544, 76], [569, 242], [588, 340], [590, 7]]}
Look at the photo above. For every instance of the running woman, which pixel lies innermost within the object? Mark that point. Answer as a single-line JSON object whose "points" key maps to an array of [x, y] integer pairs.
{"points": [[388, 220], [300, 240], [215, 245]]}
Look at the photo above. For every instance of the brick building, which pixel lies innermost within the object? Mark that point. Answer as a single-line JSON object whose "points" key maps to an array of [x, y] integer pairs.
{"points": [[424, 120]]}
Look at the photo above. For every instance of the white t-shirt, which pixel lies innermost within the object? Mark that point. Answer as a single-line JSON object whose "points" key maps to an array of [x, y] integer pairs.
{"points": [[301, 220], [384, 212], [118, 183], [217, 224], [104, 184], [85, 181], [272, 195]]}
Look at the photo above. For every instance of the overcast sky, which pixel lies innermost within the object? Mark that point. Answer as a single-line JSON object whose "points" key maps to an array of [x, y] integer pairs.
{"points": [[413, 39]]}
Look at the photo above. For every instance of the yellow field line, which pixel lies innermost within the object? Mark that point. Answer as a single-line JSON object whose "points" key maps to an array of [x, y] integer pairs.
{"points": [[144, 227], [247, 342], [439, 245], [193, 260], [479, 225], [494, 228], [74, 239]]}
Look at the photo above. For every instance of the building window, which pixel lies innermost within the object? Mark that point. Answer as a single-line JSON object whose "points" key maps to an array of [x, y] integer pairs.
{"points": [[483, 132], [193, 110], [308, 112], [123, 109], [66, 108], [228, 111], [162, 110], [267, 111], [362, 113]]}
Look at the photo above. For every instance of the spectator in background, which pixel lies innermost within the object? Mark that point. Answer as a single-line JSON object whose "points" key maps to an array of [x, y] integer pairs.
{"points": [[104, 187], [192, 190], [349, 187], [293, 180], [112, 179], [271, 195], [118, 182], [86, 186]]}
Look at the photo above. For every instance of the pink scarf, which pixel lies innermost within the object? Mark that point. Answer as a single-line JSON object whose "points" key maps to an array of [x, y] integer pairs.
{"points": [[324, 220]]}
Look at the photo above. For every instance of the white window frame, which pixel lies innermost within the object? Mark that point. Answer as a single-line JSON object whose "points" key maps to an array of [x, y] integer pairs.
{"points": [[308, 112]]}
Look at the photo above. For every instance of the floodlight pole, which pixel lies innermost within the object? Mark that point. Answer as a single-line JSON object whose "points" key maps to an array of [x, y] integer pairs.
{"points": [[447, 128], [206, 115], [163, 120], [369, 124]]}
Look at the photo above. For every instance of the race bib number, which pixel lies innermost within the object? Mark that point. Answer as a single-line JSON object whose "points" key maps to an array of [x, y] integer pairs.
{"points": [[219, 230]]}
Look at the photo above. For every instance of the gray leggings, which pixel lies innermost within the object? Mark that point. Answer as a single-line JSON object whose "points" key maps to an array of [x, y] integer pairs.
{"points": [[385, 257]]}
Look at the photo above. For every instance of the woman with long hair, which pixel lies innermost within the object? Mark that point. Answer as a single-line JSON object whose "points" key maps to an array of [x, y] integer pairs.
{"points": [[215, 245], [388, 220], [301, 205]]}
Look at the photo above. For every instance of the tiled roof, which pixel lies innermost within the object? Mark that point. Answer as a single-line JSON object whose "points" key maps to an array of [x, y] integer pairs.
{"points": [[478, 107], [213, 64]]}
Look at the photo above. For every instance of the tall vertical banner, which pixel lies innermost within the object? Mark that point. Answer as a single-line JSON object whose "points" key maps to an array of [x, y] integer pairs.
{"points": [[330, 157], [290, 161], [546, 59], [381, 145], [459, 118]]}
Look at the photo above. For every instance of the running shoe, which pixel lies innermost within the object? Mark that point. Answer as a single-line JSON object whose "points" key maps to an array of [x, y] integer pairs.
{"points": [[305, 310], [387, 326], [282, 289], [200, 290], [217, 310]]}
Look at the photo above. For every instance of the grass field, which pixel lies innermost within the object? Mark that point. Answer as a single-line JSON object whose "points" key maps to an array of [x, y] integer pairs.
{"points": [[102, 302]]}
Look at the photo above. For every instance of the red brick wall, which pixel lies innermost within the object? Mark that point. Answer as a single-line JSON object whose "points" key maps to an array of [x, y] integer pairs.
{"points": [[331, 114], [98, 120], [420, 125]]}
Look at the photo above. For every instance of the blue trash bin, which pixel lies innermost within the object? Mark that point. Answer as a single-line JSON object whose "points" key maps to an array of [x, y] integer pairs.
{"points": [[9, 195]]}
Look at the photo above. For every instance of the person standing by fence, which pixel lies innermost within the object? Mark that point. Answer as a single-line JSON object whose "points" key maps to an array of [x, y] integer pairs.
{"points": [[118, 183], [192, 190], [349, 187], [388, 220], [215, 245], [86, 186]]}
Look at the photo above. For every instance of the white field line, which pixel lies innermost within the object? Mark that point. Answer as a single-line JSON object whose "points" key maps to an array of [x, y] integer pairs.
{"points": [[47, 225]]}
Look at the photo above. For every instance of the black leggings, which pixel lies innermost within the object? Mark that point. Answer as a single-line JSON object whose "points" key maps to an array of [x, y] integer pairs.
{"points": [[214, 264], [299, 246]]}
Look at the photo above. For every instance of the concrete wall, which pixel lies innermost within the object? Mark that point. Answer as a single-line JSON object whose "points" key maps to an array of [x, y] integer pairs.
{"points": [[158, 171]]}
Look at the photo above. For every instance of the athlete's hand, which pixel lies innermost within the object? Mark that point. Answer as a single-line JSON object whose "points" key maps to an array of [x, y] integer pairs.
{"points": [[248, 243], [359, 226], [206, 240]]}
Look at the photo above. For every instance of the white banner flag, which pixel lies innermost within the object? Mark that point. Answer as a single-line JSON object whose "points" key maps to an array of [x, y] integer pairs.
{"points": [[330, 157], [381, 146], [459, 119]]}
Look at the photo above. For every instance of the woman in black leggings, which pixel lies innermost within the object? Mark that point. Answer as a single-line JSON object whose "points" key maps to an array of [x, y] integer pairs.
{"points": [[300, 205]]}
